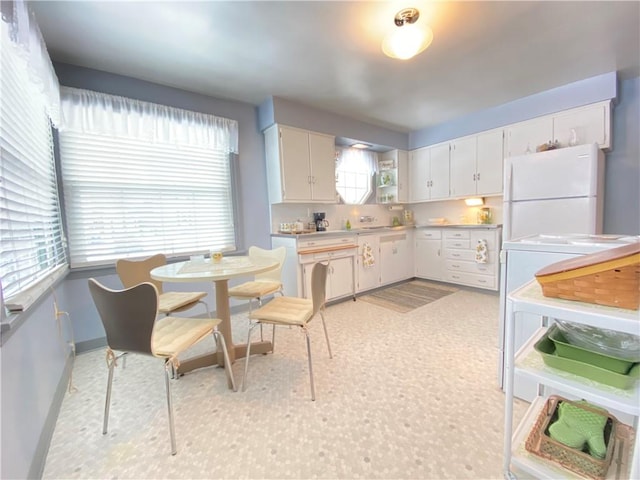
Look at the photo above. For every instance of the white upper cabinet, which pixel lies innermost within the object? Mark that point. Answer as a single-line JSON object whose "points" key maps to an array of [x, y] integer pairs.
{"points": [[300, 165], [588, 124], [489, 162], [429, 173], [419, 173], [439, 164], [584, 125], [524, 137], [463, 166], [322, 161]]}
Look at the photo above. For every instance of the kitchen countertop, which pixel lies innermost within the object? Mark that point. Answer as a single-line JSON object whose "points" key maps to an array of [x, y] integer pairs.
{"points": [[380, 229]]}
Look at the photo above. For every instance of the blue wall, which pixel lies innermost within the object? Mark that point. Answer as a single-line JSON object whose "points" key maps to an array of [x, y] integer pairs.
{"points": [[34, 361]]}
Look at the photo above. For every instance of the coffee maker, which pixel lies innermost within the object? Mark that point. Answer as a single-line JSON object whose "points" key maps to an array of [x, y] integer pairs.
{"points": [[321, 223]]}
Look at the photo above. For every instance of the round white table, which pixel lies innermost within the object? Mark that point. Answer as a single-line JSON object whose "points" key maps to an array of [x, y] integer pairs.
{"points": [[219, 273]]}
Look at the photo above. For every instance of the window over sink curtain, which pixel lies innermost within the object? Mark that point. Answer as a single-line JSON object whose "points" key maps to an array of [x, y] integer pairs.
{"points": [[140, 178], [354, 173]]}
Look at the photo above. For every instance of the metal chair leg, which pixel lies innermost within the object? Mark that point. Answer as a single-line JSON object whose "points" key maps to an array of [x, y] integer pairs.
{"points": [[313, 390], [107, 401], [252, 325], [326, 335], [172, 432], [219, 339], [273, 338]]}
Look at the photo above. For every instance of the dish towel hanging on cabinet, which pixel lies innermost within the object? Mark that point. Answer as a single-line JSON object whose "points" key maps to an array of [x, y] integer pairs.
{"points": [[367, 256], [482, 255]]}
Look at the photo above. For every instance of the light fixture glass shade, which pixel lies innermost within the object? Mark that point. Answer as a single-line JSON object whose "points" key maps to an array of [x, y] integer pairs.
{"points": [[474, 202], [406, 41]]}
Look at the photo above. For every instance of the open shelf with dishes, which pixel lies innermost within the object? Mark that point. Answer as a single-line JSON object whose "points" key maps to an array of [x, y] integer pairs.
{"points": [[625, 402]]}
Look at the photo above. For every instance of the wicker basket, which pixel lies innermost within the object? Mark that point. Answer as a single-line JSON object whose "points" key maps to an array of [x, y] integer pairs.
{"points": [[610, 277], [541, 444]]}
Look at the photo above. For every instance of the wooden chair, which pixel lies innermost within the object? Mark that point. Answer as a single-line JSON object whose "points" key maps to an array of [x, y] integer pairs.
{"points": [[294, 311], [134, 272], [129, 319], [263, 284]]}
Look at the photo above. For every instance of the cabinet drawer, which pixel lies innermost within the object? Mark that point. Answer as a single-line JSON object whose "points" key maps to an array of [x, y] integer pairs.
{"points": [[429, 234], [474, 280], [317, 243], [456, 234], [460, 254], [470, 267], [454, 243], [304, 258]]}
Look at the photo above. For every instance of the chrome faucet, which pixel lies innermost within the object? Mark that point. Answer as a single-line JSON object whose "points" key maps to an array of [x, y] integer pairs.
{"points": [[366, 219]]}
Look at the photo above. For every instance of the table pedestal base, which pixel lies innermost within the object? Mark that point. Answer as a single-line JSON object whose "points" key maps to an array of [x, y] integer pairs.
{"points": [[216, 358]]}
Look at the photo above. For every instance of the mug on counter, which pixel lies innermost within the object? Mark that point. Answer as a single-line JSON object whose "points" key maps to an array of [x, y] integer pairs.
{"points": [[216, 256]]}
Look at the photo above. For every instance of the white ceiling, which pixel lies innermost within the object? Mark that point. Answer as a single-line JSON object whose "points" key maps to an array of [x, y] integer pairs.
{"points": [[327, 54]]}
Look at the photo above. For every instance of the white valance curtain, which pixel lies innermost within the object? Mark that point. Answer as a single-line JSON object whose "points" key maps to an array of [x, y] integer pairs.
{"points": [[357, 159], [84, 111], [27, 40]]}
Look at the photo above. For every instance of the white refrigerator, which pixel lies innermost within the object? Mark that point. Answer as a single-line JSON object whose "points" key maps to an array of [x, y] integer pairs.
{"points": [[553, 192], [550, 199]]}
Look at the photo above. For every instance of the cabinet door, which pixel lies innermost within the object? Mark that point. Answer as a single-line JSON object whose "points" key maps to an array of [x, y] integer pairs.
{"points": [[394, 257], [489, 163], [368, 276], [463, 166], [322, 156], [419, 171], [294, 152], [526, 136], [590, 124], [428, 259], [340, 278], [439, 171]]}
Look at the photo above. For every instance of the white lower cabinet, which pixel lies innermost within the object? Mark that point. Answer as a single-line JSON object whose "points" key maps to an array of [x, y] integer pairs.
{"points": [[396, 255], [339, 278], [368, 272], [338, 251], [428, 258], [461, 264], [391, 258], [528, 302]]}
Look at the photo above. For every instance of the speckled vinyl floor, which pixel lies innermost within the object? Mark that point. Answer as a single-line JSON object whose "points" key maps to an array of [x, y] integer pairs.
{"points": [[406, 396]]}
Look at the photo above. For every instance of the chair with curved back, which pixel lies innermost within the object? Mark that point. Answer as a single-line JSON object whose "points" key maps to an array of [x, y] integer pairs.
{"points": [[294, 311], [129, 319], [263, 284], [134, 272]]}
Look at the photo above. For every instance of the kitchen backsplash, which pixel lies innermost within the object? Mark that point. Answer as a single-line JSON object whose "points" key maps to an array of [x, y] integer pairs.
{"points": [[453, 211]]}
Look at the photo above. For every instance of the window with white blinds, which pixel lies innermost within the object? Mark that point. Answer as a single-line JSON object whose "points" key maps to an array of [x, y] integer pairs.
{"points": [[31, 236], [129, 193]]}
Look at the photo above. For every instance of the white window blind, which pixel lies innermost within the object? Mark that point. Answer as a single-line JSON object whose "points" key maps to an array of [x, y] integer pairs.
{"points": [[31, 235], [132, 190]]}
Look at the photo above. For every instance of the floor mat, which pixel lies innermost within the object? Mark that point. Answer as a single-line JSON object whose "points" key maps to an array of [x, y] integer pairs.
{"points": [[408, 296]]}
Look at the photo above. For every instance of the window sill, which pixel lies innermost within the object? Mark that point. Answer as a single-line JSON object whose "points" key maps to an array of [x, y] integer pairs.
{"points": [[16, 308]]}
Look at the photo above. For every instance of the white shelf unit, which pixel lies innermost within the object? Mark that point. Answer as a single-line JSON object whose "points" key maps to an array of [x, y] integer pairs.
{"points": [[529, 299]]}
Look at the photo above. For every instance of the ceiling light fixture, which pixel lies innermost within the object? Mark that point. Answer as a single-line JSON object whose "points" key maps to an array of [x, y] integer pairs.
{"points": [[360, 145], [408, 39]]}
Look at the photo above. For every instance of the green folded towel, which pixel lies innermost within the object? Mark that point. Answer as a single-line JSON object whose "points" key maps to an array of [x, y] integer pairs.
{"points": [[576, 426]]}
